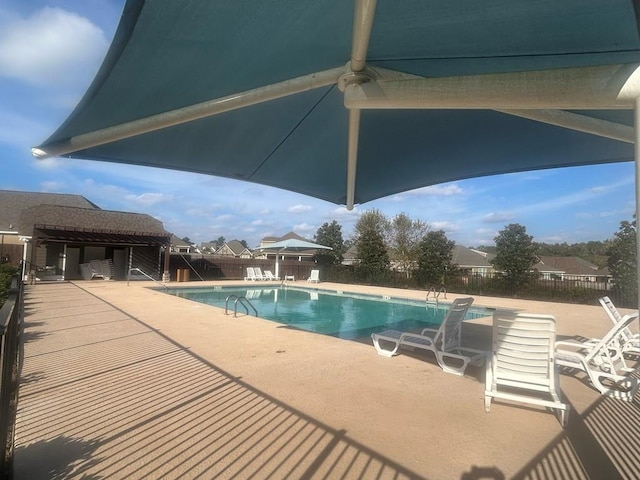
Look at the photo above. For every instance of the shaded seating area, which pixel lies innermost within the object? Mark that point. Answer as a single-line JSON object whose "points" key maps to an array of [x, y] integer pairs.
{"points": [[445, 342], [522, 365]]}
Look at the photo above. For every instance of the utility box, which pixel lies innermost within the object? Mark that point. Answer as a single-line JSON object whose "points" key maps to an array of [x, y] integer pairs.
{"points": [[182, 275]]}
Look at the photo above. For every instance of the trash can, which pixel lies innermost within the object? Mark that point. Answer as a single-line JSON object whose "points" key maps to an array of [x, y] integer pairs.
{"points": [[182, 275]]}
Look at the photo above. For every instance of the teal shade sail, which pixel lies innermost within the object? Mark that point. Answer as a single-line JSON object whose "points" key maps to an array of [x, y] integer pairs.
{"points": [[169, 56]]}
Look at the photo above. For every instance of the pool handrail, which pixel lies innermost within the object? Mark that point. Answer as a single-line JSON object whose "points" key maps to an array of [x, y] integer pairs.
{"points": [[242, 301]]}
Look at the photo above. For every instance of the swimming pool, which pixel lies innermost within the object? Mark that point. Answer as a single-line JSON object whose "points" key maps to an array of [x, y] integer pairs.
{"points": [[342, 315]]}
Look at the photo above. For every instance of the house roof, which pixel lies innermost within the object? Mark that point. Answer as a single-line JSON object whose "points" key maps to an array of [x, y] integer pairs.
{"points": [[178, 242], [286, 236], [236, 247], [56, 218], [573, 265], [12, 203], [465, 257]]}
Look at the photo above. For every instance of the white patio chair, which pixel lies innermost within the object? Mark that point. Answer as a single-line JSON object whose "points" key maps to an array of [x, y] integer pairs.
{"points": [[268, 275], [444, 342], [251, 275], [258, 273], [522, 361], [602, 361], [314, 276]]}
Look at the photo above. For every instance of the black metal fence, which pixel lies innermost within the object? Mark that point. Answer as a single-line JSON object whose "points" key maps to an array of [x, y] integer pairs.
{"points": [[11, 318], [536, 288], [212, 267]]}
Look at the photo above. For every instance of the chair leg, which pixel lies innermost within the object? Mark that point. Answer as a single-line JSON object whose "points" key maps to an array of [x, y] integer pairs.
{"points": [[440, 356], [382, 351]]}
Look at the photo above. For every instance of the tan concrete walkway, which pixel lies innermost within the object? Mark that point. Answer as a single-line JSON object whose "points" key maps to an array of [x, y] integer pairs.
{"points": [[126, 382]]}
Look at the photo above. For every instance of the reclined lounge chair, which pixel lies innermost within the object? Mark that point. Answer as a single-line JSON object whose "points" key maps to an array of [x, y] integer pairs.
{"points": [[522, 365], [629, 341], [444, 342], [268, 275], [602, 361]]}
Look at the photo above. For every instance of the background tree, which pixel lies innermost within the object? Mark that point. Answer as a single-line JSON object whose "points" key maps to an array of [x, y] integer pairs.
{"points": [[186, 240], [372, 255], [404, 237], [435, 259], [515, 255], [244, 243], [623, 261], [330, 235], [220, 241]]}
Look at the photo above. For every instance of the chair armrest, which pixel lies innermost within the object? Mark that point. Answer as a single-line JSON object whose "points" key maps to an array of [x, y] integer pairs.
{"points": [[432, 330]]}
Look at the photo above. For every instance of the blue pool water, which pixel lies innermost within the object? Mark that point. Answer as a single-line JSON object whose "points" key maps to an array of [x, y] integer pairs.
{"points": [[332, 313]]}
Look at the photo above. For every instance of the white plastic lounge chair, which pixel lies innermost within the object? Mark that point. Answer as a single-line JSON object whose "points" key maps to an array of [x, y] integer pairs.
{"points": [[602, 362], [314, 276], [444, 342], [268, 275], [629, 341], [522, 361], [85, 271], [107, 269], [251, 275], [258, 273]]}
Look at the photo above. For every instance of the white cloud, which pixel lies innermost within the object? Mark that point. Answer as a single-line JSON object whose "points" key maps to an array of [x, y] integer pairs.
{"points": [[448, 227], [149, 199], [498, 217], [445, 190], [52, 186], [300, 208], [305, 230], [51, 46]]}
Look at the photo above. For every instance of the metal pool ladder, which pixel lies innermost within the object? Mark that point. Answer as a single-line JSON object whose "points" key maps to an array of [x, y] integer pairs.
{"points": [[436, 294], [239, 300]]}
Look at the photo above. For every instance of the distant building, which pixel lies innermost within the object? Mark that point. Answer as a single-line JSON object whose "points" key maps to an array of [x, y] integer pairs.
{"points": [[53, 234], [209, 247], [472, 262], [573, 268], [350, 257], [180, 246], [234, 249]]}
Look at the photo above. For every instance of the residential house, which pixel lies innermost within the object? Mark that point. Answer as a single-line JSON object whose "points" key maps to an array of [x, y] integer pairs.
{"points": [[472, 262], [574, 268], [56, 233], [234, 249], [180, 246], [350, 257], [209, 247]]}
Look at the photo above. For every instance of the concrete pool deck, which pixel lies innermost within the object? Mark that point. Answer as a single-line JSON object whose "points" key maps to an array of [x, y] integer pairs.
{"points": [[128, 382]]}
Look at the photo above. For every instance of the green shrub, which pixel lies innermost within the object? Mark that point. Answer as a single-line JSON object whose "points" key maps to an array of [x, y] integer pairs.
{"points": [[6, 273]]}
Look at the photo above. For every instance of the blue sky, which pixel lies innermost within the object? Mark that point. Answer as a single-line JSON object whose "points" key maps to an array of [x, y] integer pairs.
{"points": [[49, 52]]}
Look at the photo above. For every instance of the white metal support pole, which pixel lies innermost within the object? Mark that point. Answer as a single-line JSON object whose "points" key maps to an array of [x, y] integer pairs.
{"points": [[637, 163], [64, 262]]}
